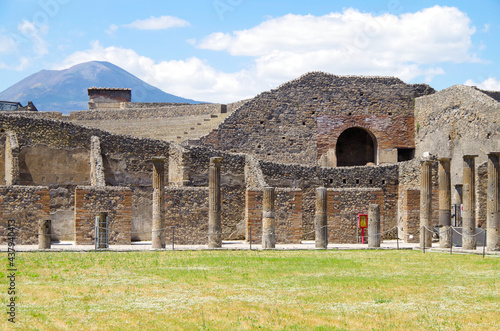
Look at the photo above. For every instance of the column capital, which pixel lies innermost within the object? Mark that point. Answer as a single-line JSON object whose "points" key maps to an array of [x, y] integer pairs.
{"points": [[215, 159], [158, 159], [492, 153], [444, 159], [469, 156]]}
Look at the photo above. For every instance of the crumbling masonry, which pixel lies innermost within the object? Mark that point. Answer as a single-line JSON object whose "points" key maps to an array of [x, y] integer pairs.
{"points": [[361, 138]]}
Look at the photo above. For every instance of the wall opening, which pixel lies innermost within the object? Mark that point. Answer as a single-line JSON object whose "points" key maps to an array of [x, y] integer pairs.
{"points": [[406, 154], [355, 147]]}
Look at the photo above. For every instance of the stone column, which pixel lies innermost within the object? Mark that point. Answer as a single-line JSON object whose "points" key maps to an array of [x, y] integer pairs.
{"points": [[44, 234], [444, 202], [268, 220], [493, 203], [158, 226], [96, 164], [11, 159], [215, 204], [374, 225], [320, 218], [469, 202], [102, 230], [426, 203], [457, 198]]}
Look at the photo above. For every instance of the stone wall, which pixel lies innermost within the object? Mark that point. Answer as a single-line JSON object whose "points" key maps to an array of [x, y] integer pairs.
{"points": [[457, 121], [53, 115], [116, 201], [410, 216], [232, 184], [288, 215], [408, 204], [186, 208], [295, 123], [308, 178], [132, 111], [26, 205], [343, 207]]}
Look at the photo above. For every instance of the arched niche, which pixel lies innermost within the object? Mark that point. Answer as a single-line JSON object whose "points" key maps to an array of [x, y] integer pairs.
{"points": [[356, 147]]}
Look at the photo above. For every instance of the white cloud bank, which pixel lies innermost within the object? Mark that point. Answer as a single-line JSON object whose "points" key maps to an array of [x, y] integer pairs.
{"points": [[158, 23], [408, 46], [490, 84]]}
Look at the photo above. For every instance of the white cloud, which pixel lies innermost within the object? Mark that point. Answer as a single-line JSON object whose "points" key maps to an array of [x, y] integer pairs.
{"points": [[7, 44], [490, 84], [158, 23], [353, 42], [35, 34], [112, 29], [409, 46], [189, 78]]}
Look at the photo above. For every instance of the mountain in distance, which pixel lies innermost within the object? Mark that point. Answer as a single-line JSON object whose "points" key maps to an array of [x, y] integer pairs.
{"points": [[66, 90]]}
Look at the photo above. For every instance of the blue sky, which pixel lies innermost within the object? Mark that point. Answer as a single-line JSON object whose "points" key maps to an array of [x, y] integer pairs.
{"points": [[227, 50]]}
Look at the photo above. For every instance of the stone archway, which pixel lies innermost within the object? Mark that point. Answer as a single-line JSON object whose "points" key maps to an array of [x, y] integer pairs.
{"points": [[356, 147]]}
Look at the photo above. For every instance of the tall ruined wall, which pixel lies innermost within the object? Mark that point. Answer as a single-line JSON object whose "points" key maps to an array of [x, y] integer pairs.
{"points": [[457, 121], [301, 120], [57, 154]]}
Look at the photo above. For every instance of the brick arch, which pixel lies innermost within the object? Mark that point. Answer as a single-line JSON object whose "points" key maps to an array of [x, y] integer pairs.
{"points": [[356, 146]]}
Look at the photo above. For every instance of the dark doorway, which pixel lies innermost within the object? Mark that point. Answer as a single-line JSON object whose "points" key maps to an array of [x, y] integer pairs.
{"points": [[406, 154], [355, 147]]}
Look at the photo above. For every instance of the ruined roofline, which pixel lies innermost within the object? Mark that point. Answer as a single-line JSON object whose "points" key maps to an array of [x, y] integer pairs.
{"points": [[109, 89], [486, 95], [312, 73]]}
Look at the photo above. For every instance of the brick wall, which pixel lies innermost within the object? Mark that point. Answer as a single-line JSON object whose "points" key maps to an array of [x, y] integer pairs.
{"points": [[288, 215], [186, 208], [390, 131], [26, 205], [116, 201], [411, 215]]}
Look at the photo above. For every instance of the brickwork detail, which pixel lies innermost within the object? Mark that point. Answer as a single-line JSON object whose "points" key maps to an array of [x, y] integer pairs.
{"points": [[90, 201], [288, 215], [26, 205]]}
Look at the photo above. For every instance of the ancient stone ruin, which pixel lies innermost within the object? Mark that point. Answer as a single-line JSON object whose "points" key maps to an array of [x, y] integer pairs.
{"points": [[299, 162]]}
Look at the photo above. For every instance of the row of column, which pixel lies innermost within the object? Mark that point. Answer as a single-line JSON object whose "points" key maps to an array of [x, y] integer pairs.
{"points": [[268, 214], [468, 201]]}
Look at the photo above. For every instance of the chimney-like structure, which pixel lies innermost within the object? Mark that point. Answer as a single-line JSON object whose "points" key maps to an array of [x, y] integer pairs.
{"points": [[103, 97]]}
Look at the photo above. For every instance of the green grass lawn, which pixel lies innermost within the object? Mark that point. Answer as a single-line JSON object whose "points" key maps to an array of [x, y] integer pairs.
{"points": [[270, 290]]}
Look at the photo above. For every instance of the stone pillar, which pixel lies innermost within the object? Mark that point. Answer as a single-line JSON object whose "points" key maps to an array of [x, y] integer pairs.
{"points": [[215, 204], [493, 203], [268, 220], [469, 202], [320, 218], [158, 226], [44, 234], [11, 159], [444, 202], [101, 231], [457, 200], [96, 164], [374, 225], [426, 203]]}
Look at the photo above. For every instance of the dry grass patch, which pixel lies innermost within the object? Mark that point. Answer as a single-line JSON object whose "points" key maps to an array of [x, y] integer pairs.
{"points": [[271, 290]]}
